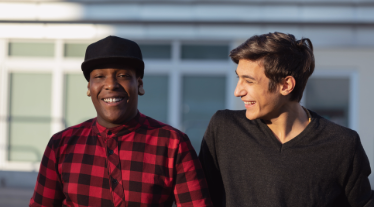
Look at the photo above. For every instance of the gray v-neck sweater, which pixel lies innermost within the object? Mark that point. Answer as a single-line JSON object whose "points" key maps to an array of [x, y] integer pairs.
{"points": [[245, 165]]}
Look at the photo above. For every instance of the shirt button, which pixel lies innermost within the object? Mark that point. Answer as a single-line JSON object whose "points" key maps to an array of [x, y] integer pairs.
{"points": [[114, 181], [110, 152], [109, 133]]}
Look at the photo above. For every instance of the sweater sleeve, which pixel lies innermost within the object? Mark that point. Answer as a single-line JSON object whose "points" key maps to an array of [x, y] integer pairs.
{"points": [[208, 159], [357, 189]]}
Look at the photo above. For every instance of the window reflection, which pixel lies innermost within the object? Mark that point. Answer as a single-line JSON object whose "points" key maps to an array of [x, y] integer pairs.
{"points": [[329, 97], [30, 115], [202, 97], [154, 103]]}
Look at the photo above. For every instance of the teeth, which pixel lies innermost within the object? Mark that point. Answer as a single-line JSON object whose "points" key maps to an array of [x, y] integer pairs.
{"points": [[249, 102], [112, 100]]}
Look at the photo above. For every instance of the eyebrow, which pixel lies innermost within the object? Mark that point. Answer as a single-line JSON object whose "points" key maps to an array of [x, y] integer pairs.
{"points": [[245, 76]]}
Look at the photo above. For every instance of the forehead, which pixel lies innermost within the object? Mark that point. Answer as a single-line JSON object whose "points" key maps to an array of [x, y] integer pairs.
{"points": [[254, 68], [113, 70]]}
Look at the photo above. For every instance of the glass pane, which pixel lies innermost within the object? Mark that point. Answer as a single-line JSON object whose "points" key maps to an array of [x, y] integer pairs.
{"points": [[154, 103], [31, 49], [329, 97], [78, 106], [205, 52], [28, 139], [75, 50], [202, 97], [30, 111], [30, 95], [153, 51]]}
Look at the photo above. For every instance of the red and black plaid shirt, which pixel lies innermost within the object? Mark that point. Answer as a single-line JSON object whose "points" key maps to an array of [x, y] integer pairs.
{"points": [[141, 163]]}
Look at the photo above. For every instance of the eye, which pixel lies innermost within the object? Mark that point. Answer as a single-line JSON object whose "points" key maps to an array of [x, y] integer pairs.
{"points": [[123, 75]]}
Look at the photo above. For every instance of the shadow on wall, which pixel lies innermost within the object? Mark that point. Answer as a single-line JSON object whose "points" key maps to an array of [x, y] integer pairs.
{"points": [[18, 179], [16, 188], [15, 197]]}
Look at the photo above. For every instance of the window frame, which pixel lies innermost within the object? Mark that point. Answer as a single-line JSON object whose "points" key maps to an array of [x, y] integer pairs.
{"points": [[353, 77], [9, 41], [59, 65]]}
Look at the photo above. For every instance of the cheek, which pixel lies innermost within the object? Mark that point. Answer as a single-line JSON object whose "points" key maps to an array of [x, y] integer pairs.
{"points": [[257, 93], [131, 89]]}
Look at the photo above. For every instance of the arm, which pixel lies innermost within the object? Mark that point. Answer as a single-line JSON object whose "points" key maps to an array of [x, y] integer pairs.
{"points": [[190, 184], [208, 159], [48, 188], [358, 190]]}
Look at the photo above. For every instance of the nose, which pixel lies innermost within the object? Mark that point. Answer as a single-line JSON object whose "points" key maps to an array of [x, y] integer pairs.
{"points": [[239, 90], [111, 83]]}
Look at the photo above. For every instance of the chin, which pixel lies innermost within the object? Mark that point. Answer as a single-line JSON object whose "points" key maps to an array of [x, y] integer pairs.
{"points": [[251, 116], [114, 118]]}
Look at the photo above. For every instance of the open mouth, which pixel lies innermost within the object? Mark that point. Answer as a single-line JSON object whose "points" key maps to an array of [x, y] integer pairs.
{"points": [[112, 100], [249, 103]]}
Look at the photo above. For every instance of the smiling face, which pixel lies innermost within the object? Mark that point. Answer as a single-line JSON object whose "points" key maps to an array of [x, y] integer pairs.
{"points": [[114, 93], [253, 89]]}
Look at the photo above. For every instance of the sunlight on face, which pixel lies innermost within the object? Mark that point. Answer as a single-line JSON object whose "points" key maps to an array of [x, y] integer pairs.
{"points": [[253, 89]]}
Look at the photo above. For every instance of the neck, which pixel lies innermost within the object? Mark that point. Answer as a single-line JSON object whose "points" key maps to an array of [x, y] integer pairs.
{"points": [[290, 121], [111, 124]]}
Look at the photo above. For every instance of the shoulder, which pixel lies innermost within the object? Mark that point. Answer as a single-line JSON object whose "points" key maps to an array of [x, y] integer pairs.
{"points": [[224, 116], [229, 119], [160, 129], [73, 132], [226, 123], [332, 128], [331, 131], [229, 113]]}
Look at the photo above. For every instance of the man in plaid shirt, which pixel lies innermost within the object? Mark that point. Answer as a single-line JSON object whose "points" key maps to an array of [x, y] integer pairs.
{"points": [[121, 157]]}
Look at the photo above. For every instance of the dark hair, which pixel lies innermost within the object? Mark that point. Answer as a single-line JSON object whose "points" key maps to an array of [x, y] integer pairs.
{"points": [[281, 55]]}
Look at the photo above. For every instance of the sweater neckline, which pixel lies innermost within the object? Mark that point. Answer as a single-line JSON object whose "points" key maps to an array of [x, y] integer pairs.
{"points": [[300, 137]]}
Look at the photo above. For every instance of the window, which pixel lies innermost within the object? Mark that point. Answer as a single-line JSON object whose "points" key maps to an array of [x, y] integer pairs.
{"points": [[154, 103], [205, 52], [78, 106], [202, 97], [188, 104], [31, 49], [329, 97], [30, 116], [155, 51], [75, 50]]}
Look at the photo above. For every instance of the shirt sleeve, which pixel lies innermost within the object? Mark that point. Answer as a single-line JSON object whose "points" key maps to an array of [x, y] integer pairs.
{"points": [[208, 159], [190, 184], [48, 188], [357, 189]]}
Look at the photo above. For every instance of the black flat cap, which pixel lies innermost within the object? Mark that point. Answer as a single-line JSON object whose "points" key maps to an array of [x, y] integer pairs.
{"points": [[112, 50]]}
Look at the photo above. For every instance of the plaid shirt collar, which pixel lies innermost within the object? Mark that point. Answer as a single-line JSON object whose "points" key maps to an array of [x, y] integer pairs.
{"points": [[123, 129]]}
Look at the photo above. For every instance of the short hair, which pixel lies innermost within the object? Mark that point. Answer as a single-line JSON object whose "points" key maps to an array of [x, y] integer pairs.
{"points": [[281, 55]]}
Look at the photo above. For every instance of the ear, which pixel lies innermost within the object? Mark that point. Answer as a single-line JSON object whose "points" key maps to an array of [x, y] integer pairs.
{"points": [[140, 87], [287, 85], [88, 89]]}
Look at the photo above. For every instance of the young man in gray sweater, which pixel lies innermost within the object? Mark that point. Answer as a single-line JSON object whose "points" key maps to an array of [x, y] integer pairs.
{"points": [[277, 153]]}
